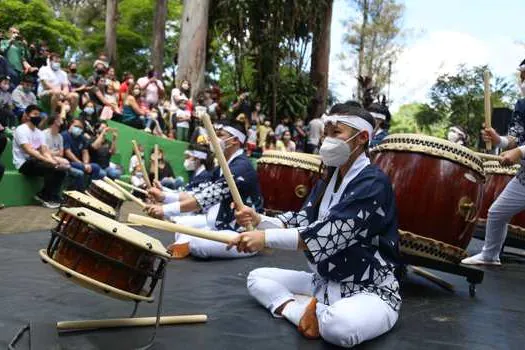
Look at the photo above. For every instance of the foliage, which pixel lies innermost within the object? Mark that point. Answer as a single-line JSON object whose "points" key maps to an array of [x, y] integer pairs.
{"points": [[411, 118], [37, 22], [376, 30]]}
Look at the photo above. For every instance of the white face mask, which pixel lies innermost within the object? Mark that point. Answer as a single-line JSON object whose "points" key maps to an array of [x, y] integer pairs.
{"points": [[452, 136], [189, 165], [222, 143], [335, 152]]}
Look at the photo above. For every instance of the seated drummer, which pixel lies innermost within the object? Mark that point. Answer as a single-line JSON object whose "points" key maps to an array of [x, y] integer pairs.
{"points": [[348, 232], [213, 198]]}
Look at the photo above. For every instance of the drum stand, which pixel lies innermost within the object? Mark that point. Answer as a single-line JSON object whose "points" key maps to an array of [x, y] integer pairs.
{"points": [[84, 325]]}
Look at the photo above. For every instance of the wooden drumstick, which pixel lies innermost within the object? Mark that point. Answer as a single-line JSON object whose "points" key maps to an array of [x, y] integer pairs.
{"points": [[223, 163], [177, 228], [130, 186], [488, 109], [156, 167], [129, 322], [126, 194], [141, 163]]}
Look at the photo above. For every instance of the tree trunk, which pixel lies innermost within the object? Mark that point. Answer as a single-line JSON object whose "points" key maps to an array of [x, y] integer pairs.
{"points": [[111, 30], [192, 47], [362, 38], [159, 36], [320, 63]]}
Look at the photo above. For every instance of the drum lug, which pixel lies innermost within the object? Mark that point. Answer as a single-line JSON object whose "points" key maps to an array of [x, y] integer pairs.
{"points": [[467, 209], [301, 191]]}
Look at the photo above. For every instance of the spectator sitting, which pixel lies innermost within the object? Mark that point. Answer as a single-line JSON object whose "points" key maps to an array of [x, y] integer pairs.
{"points": [[286, 144], [97, 94], [32, 158], [111, 100], [262, 132], [6, 104], [101, 150], [23, 96], [77, 82], [77, 152], [54, 84], [182, 92], [166, 175], [282, 127], [153, 87], [111, 80], [132, 114], [153, 123], [270, 143], [123, 91], [100, 67], [89, 115]]}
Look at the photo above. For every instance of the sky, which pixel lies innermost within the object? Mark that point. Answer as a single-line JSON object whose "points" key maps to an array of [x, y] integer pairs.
{"points": [[444, 34]]}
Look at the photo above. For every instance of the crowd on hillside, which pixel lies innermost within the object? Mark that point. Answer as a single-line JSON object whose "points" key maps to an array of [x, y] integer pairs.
{"points": [[58, 118]]}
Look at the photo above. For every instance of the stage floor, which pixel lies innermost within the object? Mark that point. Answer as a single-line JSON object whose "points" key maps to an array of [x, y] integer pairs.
{"points": [[431, 318]]}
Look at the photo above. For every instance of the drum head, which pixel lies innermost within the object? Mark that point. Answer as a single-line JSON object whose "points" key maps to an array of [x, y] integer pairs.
{"points": [[91, 202], [494, 167], [432, 146], [109, 189], [305, 161], [92, 284], [119, 230]]}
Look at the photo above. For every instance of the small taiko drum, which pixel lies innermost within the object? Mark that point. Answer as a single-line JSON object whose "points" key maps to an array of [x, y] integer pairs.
{"points": [[106, 193], [106, 256], [438, 187], [286, 178], [498, 177], [74, 199]]}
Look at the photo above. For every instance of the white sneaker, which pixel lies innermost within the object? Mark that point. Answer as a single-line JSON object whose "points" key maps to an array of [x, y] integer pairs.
{"points": [[479, 260], [148, 130], [51, 205]]}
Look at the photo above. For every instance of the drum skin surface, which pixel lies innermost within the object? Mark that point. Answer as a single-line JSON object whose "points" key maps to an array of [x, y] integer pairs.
{"points": [[436, 198]]}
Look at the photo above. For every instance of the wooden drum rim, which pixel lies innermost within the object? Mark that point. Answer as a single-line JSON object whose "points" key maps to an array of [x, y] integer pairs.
{"points": [[432, 146], [292, 159], [91, 202], [109, 189], [417, 245]]}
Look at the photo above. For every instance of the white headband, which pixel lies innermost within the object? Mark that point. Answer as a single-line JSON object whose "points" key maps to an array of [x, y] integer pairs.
{"points": [[378, 115], [457, 130], [522, 68], [232, 131], [353, 121], [198, 154]]}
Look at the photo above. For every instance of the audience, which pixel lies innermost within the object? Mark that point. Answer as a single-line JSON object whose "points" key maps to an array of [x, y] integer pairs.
{"points": [[54, 84], [6, 104], [286, 144], [153, 87], [315, 132], [101, 150], [55, 144], [166, 175], [23, 95]]}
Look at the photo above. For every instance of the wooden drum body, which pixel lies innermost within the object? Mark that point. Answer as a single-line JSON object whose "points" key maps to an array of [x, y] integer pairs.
{"points": [[438, 187], [498, 177], [106, 193], [286, 178], [106, 256]]}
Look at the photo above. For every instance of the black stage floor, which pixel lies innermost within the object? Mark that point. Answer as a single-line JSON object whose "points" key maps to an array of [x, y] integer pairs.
{"points": [[431, 318]]}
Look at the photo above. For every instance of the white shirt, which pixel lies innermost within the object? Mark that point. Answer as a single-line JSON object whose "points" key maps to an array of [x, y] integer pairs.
{"points": [[25, 135], [152, 90], [53, 142], [176, 96], [315, 131], [55, 79], [182, 113]]}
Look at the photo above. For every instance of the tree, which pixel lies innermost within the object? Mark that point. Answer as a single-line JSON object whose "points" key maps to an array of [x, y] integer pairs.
{"points": [[159, 35], [111, 30], [192, 49], [375, 35]]}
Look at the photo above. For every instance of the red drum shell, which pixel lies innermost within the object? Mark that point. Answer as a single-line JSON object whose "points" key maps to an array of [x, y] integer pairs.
{"points": [[99, 193], [429, 193], [285, 186]]}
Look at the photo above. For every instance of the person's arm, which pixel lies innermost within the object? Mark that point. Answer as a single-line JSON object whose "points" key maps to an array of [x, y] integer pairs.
{"points": [[113, 148], [85, 156], [36, 154], [99, 140], [71, 156], [101, 98], [135, 106]]}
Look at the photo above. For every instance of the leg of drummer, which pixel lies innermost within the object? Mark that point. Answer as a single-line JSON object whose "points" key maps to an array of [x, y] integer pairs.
{"points": [[510, 202]]}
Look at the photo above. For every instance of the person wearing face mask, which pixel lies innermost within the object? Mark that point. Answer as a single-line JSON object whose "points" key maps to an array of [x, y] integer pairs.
{"points": [[213, 198], [32, 158], [457, 135], [511, 200], [17, 54], [77, 81], [7, 114], [102, 148], [132, 113], [348, 232], [153, 87], [286, 144], [199, 164], [167, 177], [54, 84], [23, 96], [89, 114], [76, 150], [381, 116]]}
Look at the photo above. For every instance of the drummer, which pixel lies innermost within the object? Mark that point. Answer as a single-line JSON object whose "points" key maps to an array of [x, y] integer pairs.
{"points": [[457, 135], [348, 232], [381, 116], [213, 198], [512, 200]]}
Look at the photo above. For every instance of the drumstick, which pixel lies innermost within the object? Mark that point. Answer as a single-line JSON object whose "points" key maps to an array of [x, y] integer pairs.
{"points": [[223, 164], [488, 111], [156, 168], [141, 164], [129, 322], [130, 186], [171, 227], [433, 278], [126, 194]]}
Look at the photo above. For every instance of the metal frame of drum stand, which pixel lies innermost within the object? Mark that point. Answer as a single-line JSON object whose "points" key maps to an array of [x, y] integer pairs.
{"points": [[474, 276], [27, 327]]}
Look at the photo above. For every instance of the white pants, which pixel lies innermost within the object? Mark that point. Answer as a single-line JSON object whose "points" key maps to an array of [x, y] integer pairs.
{"points": [[206, 249], [509, 203], [346, 322]]}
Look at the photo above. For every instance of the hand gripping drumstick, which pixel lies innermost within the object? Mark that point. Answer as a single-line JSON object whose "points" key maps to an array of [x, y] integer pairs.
{"points": [[141, 164], [126, 194], [156, 167], [131, 187], [488, 109], [177, 228], [223, 163]]}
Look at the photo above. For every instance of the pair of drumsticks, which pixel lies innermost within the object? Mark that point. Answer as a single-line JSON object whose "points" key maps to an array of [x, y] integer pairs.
{"points": [[144, 220]]}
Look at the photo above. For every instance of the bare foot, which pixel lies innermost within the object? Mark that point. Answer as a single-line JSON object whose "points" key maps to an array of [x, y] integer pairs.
{"points": [[309, 326], [179, 250]]}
